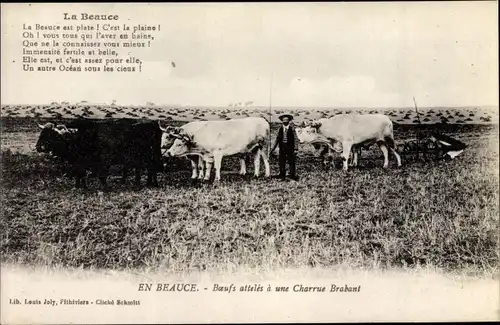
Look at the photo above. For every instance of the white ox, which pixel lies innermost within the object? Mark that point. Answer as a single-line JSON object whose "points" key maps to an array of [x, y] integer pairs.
{"points": [[352, 131], [212, 140]]}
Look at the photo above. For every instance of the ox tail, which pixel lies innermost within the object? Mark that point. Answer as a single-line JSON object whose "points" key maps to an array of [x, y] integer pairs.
{"points": [[264, 137]]}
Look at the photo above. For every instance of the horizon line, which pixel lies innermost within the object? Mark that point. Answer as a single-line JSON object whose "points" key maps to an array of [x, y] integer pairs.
{"points": [[258, 106]]}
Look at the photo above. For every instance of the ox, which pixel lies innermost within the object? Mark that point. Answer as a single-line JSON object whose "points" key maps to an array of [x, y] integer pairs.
{"points": [[352, 132], [97, 145], [212, 140]]}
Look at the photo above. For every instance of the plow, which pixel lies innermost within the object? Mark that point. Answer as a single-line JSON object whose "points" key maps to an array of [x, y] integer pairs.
{"points": [[435, 146], [431, 146]]}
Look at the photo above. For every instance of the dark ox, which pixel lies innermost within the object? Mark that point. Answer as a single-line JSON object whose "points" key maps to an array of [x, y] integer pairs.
{"points": [[97, 145]]}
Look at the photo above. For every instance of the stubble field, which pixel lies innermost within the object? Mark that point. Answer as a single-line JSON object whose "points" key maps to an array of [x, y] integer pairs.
{"points": [[440, 214]]}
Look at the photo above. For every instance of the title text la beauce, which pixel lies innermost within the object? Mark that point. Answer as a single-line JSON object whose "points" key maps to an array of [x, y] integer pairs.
{"points": [[85, 16]]}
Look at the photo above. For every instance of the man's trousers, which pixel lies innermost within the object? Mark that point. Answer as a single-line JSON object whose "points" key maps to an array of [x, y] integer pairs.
{"points": [[287, 154]]}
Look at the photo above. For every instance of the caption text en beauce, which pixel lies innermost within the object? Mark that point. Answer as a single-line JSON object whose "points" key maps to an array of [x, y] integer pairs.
{"points": [[246, 288]]}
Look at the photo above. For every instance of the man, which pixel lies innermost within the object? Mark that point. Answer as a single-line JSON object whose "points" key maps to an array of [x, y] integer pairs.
{"points": [[289, 144]]}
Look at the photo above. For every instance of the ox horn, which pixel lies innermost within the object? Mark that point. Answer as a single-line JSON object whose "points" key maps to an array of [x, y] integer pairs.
{"points": [[166, 130], [61, 128], [48, 125], [162, 129], [174, 135], [173, 132]]}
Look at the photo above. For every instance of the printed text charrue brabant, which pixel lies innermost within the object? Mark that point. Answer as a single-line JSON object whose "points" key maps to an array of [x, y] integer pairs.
{"points": [[85, 43], [257, 287]]}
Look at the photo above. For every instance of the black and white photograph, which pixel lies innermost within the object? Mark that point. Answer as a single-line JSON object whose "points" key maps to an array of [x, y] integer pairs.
{"points": [[249, 162]]}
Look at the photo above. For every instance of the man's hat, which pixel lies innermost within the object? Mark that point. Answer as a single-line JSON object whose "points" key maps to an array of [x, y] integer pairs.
{"points": [[290, 117]]}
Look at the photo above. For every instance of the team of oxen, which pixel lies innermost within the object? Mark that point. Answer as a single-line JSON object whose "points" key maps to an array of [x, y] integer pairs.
{"points": [[95, 146]]}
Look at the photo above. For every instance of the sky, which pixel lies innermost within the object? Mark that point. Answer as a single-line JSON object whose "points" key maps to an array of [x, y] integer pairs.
{"points": [[317, 55]]}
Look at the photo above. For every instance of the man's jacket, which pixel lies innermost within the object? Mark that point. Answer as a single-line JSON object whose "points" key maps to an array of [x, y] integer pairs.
{"points": [[292, 139]]}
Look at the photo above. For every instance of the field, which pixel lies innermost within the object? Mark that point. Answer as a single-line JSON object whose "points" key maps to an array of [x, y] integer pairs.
{"points": [[440, 214], [427, 115]]}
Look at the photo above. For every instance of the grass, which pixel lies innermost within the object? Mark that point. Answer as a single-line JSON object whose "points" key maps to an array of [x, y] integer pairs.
{"points": [[433, 214]]}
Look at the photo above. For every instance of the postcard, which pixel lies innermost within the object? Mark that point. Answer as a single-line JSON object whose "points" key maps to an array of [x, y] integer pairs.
{"points": [[249, 162]]}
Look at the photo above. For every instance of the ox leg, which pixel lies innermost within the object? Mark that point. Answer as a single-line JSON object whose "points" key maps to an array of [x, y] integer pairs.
{"points": [[201, 167], [152, 180], [351, 159], [323, 153], [124, 175], [80, 180], [326, 162], [137, 180], [217, 165], [209, 162], [82, 174], [243, 168], [355, 156], [194, 168], [155, 177], [102, 174], [384, 150], [103, 179], [346, 151], [331, 159], [398, 158], [256, 162], [267, 169]]}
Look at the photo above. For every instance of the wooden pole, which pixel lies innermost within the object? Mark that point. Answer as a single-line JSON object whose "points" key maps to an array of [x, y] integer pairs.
{"points": [[419, 134], [416, 109], [270, 111]]}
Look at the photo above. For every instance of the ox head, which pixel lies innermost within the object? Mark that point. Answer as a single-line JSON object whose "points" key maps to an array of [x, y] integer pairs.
{"points": [[176, 140], [181, 145], [166, 139], [50, 136], [308, 132]]}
